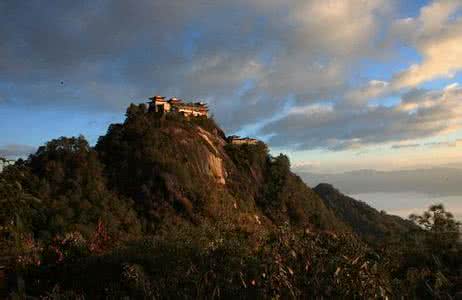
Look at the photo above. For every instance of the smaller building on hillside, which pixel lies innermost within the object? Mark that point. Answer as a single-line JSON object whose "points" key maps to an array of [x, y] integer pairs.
{"points": [[237, 140]]}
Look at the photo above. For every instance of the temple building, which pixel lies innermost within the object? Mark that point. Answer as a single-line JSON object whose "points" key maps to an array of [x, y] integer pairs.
{"points": [[195, 109], [158, 104]]}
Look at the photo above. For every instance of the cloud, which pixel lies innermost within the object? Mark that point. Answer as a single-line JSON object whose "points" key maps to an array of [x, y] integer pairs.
{"points": [[421, 113], [400, 146], [361, 96], [14, 151], [451, 144], [442, 144], [244, 57], [437, 35], [291, 67]]}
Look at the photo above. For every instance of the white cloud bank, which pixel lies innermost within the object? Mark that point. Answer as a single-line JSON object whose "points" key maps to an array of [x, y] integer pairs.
{"points": [[250, 59], [437, 35]]}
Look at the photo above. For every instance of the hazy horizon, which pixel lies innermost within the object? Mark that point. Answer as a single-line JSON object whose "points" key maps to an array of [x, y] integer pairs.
{"points": [[399, 192], [405, 204]]}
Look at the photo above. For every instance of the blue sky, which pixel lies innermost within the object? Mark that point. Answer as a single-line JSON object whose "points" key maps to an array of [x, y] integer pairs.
{"points": [[338, 84]]}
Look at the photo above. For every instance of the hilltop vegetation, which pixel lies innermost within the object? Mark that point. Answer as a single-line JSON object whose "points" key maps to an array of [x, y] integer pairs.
{"points": [[165, 207]]}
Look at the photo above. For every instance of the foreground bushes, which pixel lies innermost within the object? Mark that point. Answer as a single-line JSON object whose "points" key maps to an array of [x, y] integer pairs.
{"points": [[208, 261], [203, 263]]}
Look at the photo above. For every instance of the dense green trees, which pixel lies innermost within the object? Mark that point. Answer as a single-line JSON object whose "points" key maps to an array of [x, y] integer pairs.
{"points": [[64, 184], [20, 214], [202, 262], [143, 215], [159, 162], [442, 231], [427, 262], [276, 176]]}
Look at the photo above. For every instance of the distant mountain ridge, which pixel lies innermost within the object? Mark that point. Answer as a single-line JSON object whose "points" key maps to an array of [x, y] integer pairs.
{"points": [[365, 221]]}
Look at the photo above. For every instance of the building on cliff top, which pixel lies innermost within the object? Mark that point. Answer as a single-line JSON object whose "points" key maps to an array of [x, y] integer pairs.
{"points": [[237, 140], [195, 109]]}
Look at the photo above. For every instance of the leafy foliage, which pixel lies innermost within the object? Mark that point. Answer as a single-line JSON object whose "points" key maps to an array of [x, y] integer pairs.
{"points": [[200, 263], [430, 260], [442, 230], [164, 207], [61, 189]]}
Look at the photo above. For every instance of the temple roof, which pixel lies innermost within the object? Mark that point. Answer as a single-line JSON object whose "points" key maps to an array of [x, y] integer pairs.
{"points": [[175, 100], [157, 97]]}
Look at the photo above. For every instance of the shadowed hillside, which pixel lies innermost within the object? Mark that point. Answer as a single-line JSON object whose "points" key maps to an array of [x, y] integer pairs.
{"points": [[366, 221], [167, 206], [185, 169]]}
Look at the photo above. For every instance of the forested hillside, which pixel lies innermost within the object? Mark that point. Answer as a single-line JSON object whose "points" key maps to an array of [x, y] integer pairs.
{"points": [[165, 206], [367, 222]]}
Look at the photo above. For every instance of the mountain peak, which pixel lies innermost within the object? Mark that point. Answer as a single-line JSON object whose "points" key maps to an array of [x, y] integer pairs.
{"points": [[366, 221], [163, 157], [325, 187]]}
